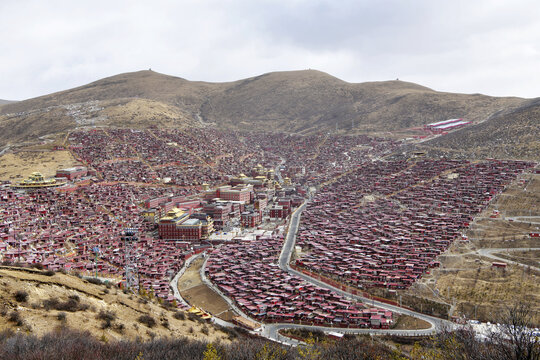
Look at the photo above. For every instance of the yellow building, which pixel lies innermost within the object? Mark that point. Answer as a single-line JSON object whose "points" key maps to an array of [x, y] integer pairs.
{"points": [[36, 181]]}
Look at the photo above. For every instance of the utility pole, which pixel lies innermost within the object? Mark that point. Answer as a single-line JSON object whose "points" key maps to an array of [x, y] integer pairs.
{"points": [[20, 247], [95, 249], [130, 239]]}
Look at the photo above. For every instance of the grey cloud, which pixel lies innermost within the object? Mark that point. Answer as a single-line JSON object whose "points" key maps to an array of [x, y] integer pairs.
{"points": [[461, 46]]}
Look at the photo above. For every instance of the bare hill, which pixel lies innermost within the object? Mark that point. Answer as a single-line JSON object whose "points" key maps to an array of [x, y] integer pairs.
{"points": [[305, 101], [4, 102], [511, 134], [296, 101]]}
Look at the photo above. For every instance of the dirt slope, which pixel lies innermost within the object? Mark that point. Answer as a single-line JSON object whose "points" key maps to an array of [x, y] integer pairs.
{"points": [[83, 305]]}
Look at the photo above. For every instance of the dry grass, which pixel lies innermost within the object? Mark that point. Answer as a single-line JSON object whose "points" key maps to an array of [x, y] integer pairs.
{"points": [[515, 134], [490, 289], [531, 257], [143, 112], [18, 166], [522, 199], [406, 322], [93, 302], [196, 293], [469, 278]]}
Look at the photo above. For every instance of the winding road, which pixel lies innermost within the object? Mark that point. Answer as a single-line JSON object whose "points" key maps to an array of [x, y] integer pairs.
{"points": [[271, 331], [436, 323], [489, 252]]}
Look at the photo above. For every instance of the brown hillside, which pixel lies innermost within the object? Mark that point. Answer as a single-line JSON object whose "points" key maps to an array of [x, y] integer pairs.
{"points": [[297, 101], [35, 302], [4, 102], [311, 100], [513, 134]]}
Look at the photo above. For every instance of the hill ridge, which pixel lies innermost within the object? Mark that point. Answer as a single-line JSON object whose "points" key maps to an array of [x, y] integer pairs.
{"points": [[298, 101]]}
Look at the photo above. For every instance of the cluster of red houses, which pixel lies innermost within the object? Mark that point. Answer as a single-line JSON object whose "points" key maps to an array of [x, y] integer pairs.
{"points": [[381, 223], [197, 156], [385, 223], [248, 273], [311, 160], [59, 229], [185, 158]]}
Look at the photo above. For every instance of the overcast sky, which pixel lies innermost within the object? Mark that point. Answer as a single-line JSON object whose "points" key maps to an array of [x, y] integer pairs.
{"points": [[471, 46]]}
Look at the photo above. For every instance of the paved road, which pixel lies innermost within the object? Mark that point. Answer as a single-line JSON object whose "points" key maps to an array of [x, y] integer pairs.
{"points": [[524, 219], [271, 331], [284, 259], [488, 252], [174, 282], [277, 171]]}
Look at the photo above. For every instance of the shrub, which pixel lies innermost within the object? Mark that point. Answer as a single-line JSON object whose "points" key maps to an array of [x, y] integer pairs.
{"points": [[72, 304], [204, 330], [48, 273], [119, 327], [95, 281], [230, 331], [179, 315], [21, 296], [194, 317], [51, 303], [61, 316], [38, 266], [107, 318], [15, 317], [69, 305], [147, 320]]}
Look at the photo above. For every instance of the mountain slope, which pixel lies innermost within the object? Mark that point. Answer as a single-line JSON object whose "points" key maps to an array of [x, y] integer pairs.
{"points": [[307, 100], [296, 101], [511, 134], [36, 302], [4, 102]]}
